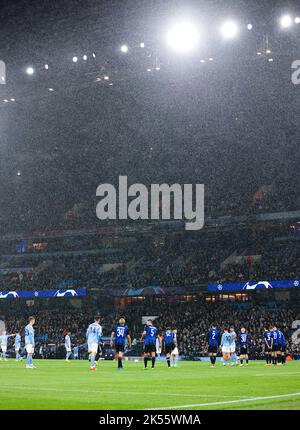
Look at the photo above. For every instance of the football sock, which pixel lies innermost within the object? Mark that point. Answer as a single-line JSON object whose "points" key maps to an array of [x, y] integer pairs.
{"points": [[120, 365], [242, 361], [153, 361], [169, 361], [146, 361], [93, 361]]}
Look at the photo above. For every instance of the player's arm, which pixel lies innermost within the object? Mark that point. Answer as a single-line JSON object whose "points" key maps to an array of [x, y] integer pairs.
{"points": [[129, 340], [112, 339], [143, 335]]}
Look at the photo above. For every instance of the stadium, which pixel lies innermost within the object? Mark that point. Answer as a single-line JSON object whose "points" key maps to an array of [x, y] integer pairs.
{"points": [[150, 209]]}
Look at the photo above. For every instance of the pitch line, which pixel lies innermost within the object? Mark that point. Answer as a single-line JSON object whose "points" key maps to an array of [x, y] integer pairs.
{"points": [[10, 387], [227, 402]]}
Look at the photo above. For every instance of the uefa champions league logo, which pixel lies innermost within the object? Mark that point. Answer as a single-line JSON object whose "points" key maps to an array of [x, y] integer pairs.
{"points": [[65, 293], [9, 294], [261, 284]]}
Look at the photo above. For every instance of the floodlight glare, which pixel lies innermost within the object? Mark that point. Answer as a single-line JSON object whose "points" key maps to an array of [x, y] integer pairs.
{"points": [[183, 37], [124, 49], [229, 30], [142, 45], [297, 20], [30, 71], [75, 59], [249, 26], [286, 21]]}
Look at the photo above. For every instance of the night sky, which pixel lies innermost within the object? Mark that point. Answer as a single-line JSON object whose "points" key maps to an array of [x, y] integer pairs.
{"points": [[232, 123]]}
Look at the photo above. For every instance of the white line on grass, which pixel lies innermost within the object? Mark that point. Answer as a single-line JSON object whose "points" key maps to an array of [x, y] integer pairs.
{"points": [[11, 387], [228, 402], [277, 374]]}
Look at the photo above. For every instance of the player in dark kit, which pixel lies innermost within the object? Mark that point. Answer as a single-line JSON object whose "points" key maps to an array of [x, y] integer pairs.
{"points": [[275, 344], [282, 348], [118, 337], [150, 334], [169, 342], [268, 341], [213, 344], [244, 345]]}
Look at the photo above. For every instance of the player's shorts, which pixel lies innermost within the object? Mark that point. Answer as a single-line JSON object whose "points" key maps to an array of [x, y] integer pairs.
{"points": [[149, 348], [17, 349], [243, 350], [158, 350], [232, 348], [93, 347], [226, 349], [29, 348], [120, 348], [175, 351], [4, 348], [169, 347], [68, 350], [212, 349], [275, 348]]}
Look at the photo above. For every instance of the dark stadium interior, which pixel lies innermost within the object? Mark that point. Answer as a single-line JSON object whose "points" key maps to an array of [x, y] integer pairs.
{"points": [[231, 124]]}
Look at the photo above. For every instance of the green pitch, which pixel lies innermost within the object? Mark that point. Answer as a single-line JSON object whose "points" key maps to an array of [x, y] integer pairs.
{"points": [[56, 384]]}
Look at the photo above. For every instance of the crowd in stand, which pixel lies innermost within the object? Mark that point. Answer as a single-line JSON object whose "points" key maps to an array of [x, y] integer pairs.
{"points": [[191, 319], [169, 266]]}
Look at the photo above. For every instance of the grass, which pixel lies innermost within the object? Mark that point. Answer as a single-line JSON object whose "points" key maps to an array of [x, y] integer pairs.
{"points": [[56, 384]]}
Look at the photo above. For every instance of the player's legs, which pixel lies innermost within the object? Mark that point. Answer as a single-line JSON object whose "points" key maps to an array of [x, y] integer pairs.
{"points": [[68, 354], [169, 359], [213, 359], [29, 350], [4, 353], [233, 356], [18, 356], [120, 355], [146, 358], [226, 355], [93, 348], [153, 354]]}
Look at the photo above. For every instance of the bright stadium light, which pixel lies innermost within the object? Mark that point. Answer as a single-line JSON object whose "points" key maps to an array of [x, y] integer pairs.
{"points": [[142, 45], [249, 26], [183, 37], [229, 30], [84, 57], [297, 20], [75, 59], [124, 49], [30, 70], [286, 21]]}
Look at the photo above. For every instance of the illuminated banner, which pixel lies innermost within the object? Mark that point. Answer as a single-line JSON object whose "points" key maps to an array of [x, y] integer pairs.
{"points": [[254, 285], [41, 294]]}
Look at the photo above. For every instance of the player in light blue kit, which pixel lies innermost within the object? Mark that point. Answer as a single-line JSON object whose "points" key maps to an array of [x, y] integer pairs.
{"points": [[93, 336], [68, 345], [232, 340], [29, 342], [225, 345], [3, 343], [18, 346]]}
